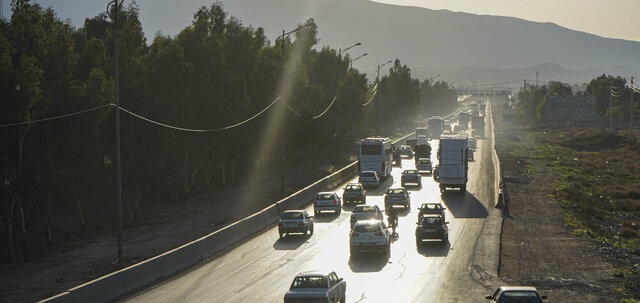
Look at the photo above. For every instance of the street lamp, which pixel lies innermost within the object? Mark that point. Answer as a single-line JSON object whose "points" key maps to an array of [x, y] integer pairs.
{"points": [[340, 51], [116, 5], [378, 92], [354, 60], [284, 36], [430, 89]]}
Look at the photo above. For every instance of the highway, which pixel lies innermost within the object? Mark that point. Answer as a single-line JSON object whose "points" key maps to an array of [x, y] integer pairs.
{"points": [[462, 270]]}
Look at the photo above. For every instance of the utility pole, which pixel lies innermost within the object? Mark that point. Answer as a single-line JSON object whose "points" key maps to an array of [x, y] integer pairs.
{"points": [[631, 107], [116, 5]]}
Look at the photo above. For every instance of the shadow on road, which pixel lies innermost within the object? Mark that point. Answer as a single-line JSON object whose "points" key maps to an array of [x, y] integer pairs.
{"points": [[325, 217], [371, 262], [464, 205], [290, 241], [434, 248]]}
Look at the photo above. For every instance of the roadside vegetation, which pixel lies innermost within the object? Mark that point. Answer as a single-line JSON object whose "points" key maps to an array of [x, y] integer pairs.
{"points": [[598, 187]]}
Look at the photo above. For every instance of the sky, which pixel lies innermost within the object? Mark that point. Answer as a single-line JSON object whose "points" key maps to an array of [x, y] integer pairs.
{"points": [[598, 17]]}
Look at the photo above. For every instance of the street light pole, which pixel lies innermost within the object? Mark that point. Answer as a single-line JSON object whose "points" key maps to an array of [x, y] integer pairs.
{"points": [[354, 60], [282, 101], [116, 5], [378, 90]]}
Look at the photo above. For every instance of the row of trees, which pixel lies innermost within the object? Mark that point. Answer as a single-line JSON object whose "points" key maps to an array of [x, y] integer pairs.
{"points": [[604, 88], [57, 177]]}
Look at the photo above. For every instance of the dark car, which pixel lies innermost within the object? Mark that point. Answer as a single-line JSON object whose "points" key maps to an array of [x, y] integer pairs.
{"points": [[431, 208], [354, 192], [411, 176], [432, 227], [406, 150]]}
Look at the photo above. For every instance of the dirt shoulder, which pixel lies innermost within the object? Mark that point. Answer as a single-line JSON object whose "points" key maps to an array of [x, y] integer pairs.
{"points": [[537, 247]]}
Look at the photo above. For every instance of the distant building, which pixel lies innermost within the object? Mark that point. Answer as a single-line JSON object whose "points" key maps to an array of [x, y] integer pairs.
{"points": [[569, 108]]}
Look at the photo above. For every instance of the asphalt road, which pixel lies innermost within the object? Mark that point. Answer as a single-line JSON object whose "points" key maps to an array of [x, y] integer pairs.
{"points": [[462, 270]]}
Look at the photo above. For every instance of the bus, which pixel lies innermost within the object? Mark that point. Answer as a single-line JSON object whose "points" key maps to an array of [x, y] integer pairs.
{"points": [[375, 154]]}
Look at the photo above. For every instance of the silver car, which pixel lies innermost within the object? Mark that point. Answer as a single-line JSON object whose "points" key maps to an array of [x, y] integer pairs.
{"points": [[295, 221], [327, 201], [365, 212], [397, 196]]}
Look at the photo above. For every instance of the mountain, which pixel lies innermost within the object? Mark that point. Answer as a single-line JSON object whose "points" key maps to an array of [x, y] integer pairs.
{"points": [[432, 40]]}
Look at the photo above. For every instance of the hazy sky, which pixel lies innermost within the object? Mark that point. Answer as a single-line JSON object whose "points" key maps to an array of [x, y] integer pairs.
{"points": [[597, 17]]}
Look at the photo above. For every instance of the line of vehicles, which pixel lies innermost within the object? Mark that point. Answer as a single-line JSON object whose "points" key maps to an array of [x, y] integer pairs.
{"points": [[368, 231]]}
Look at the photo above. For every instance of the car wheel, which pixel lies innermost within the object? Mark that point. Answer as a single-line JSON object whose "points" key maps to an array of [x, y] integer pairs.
{"points": [[418, 242], [353, 252], [315, 212], [281, 235], [387, 250], [402, 184], [311, 231]]}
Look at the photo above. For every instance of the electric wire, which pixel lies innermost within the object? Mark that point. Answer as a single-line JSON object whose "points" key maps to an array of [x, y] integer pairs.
{"points": [[292, 110], [58, 117], [201, 130], [372, 97], [326, 110]]}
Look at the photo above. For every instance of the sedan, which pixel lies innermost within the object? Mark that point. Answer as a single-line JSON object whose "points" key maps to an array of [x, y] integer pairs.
{"points": [[507, 294], [354, 192], [327, 201], [365, 212], [432, 208], [406, 150], [295, 221], [397, 196], [316, 286], [410, 176], [369, 235]]}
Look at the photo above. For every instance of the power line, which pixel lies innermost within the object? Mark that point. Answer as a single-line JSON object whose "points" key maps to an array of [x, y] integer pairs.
{"points": [[372, 98], [57, 117], [200, 130], [326, 110]]}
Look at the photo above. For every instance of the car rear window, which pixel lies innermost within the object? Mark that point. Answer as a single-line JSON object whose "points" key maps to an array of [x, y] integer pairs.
{"points": [[367, 228], [309, 282], [364, 209], [325, 197], [292, 215]]}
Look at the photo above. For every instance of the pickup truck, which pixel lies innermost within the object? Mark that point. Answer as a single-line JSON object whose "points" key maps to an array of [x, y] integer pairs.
{"points": [[316, 286]]}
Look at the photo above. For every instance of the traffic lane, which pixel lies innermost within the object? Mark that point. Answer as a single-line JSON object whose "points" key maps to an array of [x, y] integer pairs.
{"points": [[262, 268]]}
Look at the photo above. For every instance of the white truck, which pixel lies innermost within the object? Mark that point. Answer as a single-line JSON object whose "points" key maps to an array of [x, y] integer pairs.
{"points": [[453, 162]]}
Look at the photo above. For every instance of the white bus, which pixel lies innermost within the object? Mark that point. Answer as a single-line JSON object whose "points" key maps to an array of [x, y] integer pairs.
{"points": [[375, 154]]}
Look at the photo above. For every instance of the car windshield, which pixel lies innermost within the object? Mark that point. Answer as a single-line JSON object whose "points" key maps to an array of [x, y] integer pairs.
{"points": [[325, 197], [292, 215], [431, 206], [309, 282], [519, 297]]}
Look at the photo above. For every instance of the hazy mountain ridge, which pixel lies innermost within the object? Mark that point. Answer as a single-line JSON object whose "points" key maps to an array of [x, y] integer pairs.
{"points": [[433, 40]]}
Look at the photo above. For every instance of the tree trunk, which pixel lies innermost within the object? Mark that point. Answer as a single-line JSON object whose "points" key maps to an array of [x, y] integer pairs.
{"points": [[25, 239]]}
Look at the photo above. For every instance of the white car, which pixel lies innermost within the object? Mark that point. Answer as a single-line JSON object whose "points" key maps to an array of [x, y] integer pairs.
{"points": [[397, 196], [327, 201], [424, 165], [369, 178], [295, 221], [369, 235], [506, 294]]}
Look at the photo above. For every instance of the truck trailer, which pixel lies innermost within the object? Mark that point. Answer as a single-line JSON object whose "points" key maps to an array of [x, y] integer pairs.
{"points": [[453, 162]]}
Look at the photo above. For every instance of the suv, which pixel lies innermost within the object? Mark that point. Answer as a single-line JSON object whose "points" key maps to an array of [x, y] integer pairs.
{"points": [[369, 235], [411, 176], [432, 227], [295, 221], [433, 208], [369, 178], [327, 201], [397, 196], [354, 192]]}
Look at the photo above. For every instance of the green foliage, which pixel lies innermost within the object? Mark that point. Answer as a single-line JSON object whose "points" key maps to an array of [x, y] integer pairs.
{"points": [[216, 72]]}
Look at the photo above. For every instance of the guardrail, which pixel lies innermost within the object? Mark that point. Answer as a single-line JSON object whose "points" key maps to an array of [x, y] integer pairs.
{"points": [[500, 192], [143, 274]]}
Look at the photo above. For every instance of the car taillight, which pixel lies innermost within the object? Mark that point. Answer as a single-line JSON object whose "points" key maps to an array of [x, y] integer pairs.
{"points": [[280, 224], [315, 202], [300, 224], [334, 201], [355, 234], [379, 234]]}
